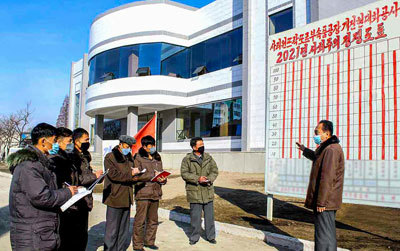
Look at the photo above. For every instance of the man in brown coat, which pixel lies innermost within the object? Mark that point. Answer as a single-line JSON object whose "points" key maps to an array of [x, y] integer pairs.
{"points": [[118, 194], [147, 195], [325, 189]]}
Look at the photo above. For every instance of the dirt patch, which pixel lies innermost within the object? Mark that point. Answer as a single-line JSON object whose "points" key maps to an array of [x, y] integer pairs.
{"points": [[240, 200]]}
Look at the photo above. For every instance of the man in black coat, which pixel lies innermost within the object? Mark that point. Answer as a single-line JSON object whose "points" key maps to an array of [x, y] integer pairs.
{"points": [[34, 198], [66, 175], [81, 160]]}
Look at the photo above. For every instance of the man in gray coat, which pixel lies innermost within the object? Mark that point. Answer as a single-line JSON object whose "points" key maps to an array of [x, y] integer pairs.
{"points": [[34, 198], [199, 171]]}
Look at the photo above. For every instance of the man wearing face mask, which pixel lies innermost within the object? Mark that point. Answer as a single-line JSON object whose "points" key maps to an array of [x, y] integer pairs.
{"points": [[66, 175], [325, 189], [118, 193], [199, 171], [147, 195], [81, 160], [34, 197]]}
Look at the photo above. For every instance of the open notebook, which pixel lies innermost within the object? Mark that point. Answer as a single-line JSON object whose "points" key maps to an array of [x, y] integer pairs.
{"points": [[82, 192]]}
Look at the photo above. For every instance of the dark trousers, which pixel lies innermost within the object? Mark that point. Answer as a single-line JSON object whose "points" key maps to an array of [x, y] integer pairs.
{"points": [[325, 231], [146, 223], [117, 229], [74, 230], [195, 220]]}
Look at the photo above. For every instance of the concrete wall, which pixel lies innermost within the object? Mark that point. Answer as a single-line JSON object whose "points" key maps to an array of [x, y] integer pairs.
{"points": [[241, 162], [329, 8]]}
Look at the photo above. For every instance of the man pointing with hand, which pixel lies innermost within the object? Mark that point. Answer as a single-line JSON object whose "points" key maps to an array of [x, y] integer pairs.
{"points": [[324, 193]]}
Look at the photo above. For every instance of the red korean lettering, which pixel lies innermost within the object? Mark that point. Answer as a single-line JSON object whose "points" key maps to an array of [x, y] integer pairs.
{"points": [[368, 35], [347, 40], [357, 37], [381, 31]]}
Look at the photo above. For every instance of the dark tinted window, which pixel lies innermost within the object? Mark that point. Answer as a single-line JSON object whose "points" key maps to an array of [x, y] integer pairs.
{"points": [[281, 21]]}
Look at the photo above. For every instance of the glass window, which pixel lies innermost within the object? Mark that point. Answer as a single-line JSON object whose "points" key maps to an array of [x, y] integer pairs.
{"points": [[210, 120], [112, 129], [167, 59], [281, 21], [76, 110]]}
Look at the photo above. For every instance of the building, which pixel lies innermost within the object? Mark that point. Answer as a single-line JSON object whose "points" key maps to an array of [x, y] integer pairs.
{"points": [[203, 71]]}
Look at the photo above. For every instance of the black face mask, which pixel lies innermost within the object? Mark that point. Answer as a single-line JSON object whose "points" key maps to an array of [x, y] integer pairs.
{"points": [[85, 146], [200, 150]]}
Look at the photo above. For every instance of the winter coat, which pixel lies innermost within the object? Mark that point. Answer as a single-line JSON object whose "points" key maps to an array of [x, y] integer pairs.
{"points": [[144, 188], [65, 171], [34, 201], [118, 192], [191, 170], [325, 188], [81, 161]]}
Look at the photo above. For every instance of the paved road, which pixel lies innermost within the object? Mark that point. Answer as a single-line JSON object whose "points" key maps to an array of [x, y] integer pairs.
{"points": [[171, 236]]}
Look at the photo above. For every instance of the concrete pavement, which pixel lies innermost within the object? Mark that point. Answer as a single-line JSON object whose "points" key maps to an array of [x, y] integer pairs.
{"points": [[171, 235]]}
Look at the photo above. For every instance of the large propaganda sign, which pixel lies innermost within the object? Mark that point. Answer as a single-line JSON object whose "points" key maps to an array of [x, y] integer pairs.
{"points": [[344, 69]]}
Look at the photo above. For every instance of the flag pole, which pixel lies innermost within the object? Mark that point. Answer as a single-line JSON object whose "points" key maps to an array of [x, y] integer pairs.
{"points": [[155, 133]]}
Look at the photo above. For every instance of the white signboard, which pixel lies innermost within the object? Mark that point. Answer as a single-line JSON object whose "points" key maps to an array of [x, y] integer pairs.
{"points": [[344, 69]]}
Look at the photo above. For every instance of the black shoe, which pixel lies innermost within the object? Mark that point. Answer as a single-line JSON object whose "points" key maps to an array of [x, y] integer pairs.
{"points": [[154, 247], [192, 242], [213, 241]]}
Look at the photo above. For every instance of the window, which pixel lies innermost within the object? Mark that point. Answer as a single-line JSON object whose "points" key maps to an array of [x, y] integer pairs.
{"points": [[166, 59], [217, 119], [76, 110], [112, 129], [281, 21]]}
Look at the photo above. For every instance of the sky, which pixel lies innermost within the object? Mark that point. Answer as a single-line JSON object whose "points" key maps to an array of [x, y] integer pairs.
{"points": [[38, 41]]}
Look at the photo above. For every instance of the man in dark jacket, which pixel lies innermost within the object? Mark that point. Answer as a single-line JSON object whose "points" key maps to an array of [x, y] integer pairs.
{"points": [[34, 198], [325, 189], [118, 194], [81, 160], [66, 175], [199, 171], [147, 195]]}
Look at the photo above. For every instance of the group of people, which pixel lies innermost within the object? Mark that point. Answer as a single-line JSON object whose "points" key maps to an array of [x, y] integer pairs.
{"points": [[47, 173]]}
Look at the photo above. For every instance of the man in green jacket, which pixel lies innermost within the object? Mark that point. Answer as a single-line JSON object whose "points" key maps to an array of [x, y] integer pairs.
{"points": [[199, 171]]}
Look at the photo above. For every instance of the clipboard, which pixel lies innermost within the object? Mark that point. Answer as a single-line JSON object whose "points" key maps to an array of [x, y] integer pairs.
{"points": [[82, 192]]}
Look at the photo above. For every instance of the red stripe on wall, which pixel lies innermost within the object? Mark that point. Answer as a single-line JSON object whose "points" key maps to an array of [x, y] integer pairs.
{"points": [[370, 101], [338, 94], [383, 105], [359, 115], [319, 88], [348, 105], [309, 104], [395, 102], [300, 101], [291, 114], [284, 114], [328, 78]]}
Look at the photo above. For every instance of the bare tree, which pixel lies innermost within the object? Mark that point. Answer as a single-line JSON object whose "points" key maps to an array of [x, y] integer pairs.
{"points": [[8, 132], [13, 126], [21, 121]]}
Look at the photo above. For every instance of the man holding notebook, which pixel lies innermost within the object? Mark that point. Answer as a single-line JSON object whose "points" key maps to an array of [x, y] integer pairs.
{"points": [[118, 193], [147, 195]]}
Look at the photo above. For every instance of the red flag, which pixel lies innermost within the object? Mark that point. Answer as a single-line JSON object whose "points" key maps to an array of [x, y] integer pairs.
{"points": [[148, 129]]}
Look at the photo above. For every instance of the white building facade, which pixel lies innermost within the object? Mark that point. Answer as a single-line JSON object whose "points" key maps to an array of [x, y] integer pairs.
{"points": [[203, 71]]}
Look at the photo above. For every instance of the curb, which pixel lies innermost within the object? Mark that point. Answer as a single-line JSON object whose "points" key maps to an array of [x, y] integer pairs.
{"points": [[268, 237]]}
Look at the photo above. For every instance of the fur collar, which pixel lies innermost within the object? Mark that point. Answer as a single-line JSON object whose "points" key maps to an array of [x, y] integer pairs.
{"points": [[119, 157], [143, 153], [331, 140], [30, 153]]}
